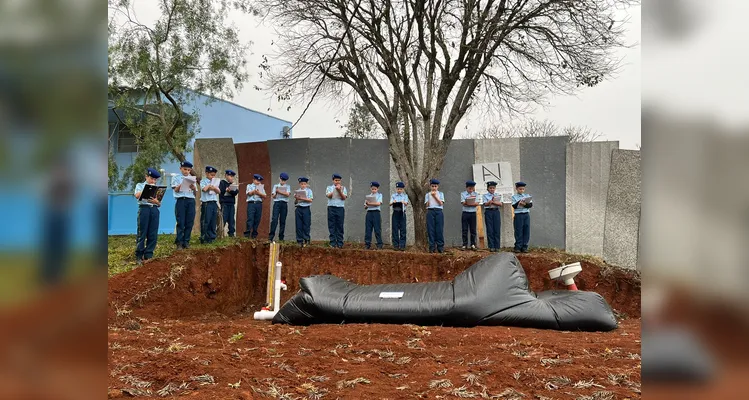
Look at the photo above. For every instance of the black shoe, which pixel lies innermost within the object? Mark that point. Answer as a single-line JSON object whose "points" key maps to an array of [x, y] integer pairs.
{"points": [[524, 251], [139, 261], [516, 250]]}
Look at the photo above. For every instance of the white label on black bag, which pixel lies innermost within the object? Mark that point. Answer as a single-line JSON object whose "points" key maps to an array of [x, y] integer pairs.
{"points": [[391, 295]]}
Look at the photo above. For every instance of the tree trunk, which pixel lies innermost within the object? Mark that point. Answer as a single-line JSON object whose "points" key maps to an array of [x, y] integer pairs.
{"points": [[416, 196], [420, 226]]}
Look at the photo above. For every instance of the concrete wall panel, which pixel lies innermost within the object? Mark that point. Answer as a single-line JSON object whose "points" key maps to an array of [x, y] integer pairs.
{"points": [[290, 156], [328, 156], [253, 159], [588, 167], [369, 162], [456, 170], [621, 231], [543, 167]]}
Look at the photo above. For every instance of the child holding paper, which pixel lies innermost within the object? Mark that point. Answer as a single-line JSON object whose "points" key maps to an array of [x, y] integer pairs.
{"points": [[303, 216], [148, 218], [492, 216], [280, 195], [209, 187], [522, 204], [184, 211], [255, 196], [435, 202], [373, 220], [399, 201], [469, 201], [337, 195], [229, 191]]}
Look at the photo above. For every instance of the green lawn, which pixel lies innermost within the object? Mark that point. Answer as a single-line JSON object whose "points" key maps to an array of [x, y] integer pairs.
{"points": [[122, 249]]}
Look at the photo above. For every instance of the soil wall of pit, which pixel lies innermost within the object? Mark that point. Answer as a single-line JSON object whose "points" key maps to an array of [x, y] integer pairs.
{"points": [[234, 279]]}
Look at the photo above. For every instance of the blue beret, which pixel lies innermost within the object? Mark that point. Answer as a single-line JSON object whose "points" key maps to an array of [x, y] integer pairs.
{"points": [[519, 184], [336, 176], [375, 184], [230, 172], [303, 179], [186, 164], [284, 176], [153, 173], [470, 183], [208, 168], [434, 182], [400, 184], [491, 183], [258, 177]]}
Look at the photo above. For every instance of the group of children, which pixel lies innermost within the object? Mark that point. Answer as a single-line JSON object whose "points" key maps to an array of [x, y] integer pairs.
{"points": [[337, 194]]}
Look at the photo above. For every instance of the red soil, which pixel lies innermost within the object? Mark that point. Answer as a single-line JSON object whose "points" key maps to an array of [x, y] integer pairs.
{"points": [[215, 292]]}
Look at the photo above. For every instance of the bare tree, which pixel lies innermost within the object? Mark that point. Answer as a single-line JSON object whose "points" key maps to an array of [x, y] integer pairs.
{"points": [[432, 60], [538, 128]]}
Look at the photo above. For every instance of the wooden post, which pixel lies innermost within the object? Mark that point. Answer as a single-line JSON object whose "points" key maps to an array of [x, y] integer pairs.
{"points": [[480, 227]]}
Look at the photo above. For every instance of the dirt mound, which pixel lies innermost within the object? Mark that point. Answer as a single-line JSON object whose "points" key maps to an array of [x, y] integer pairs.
{"points": [[191, 283], [233, 279]]}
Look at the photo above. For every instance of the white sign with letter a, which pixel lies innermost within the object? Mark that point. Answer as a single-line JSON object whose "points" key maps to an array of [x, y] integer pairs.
{"points": [[500, 172]]}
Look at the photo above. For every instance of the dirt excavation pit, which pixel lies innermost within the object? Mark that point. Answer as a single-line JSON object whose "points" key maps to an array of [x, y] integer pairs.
{"points": [[182, 326]]}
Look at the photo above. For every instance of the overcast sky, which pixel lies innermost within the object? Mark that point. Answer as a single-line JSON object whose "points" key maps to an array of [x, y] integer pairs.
{"points": [[612, 107]]}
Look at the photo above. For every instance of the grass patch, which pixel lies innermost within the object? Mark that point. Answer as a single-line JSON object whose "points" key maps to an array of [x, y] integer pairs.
{"points": [[122, 249]]}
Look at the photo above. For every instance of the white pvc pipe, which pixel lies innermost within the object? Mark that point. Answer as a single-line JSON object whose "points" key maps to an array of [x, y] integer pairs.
{"points": [[265, 315]]}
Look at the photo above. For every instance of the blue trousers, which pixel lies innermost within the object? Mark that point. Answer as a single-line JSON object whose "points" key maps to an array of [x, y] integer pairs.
{"points": [[522, 225], [435, 229], [303, 224], [335, 225], [148, 232], [227, 209], [493, 219], [254, 214], [280, 209], [468, 223], [208, 221], [398, 224], [373, 222], [184, 212]]}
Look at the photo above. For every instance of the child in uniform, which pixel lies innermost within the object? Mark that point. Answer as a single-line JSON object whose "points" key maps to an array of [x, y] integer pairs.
{"points": [[255, 196], [303, 216], [492, 216], [184, 209], [373, 220], [399, 201], [434, 201], [522, 221], [208, 206], [228, 199], [468, 217], [280, 195], [336, 194], [148, 219]]}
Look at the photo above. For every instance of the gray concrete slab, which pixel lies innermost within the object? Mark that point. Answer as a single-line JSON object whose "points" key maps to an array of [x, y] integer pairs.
{"points": [[218, 153], [621, 231], [588, 168], [290, 156], [327, 156], [369, 162], [496, 150], [543, 167], [456, 170]]}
